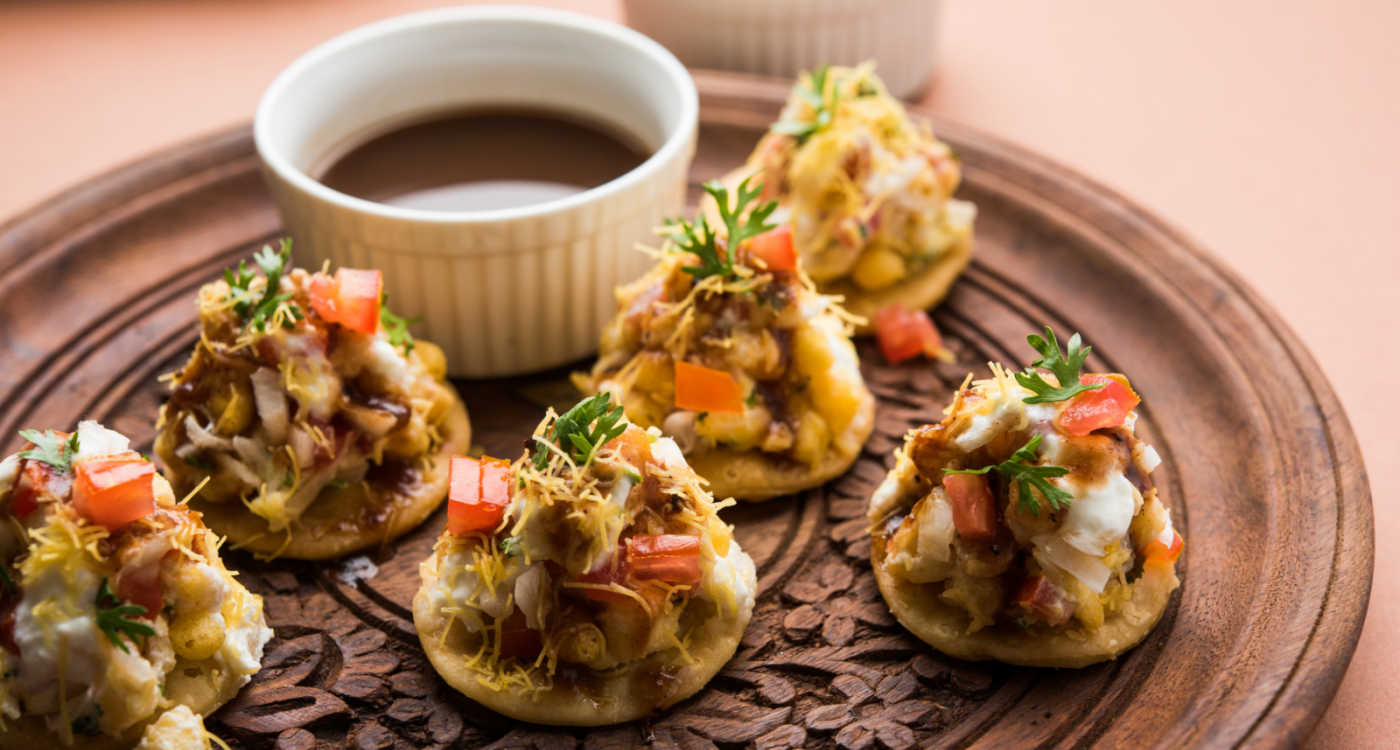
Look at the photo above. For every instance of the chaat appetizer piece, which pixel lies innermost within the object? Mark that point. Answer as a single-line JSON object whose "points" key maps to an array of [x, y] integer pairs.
{"points": [[590, 582], [324, 428], [118, 621], [728, 349], [1025, 527], [867, 192]]}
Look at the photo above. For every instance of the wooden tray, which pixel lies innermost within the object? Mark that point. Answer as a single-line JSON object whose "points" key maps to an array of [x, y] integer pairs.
{"points": [[1261, 469]]}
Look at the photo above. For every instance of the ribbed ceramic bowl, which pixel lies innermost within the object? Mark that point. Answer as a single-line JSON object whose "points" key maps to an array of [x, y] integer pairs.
{"points": [[786, 37], [502, 291]]}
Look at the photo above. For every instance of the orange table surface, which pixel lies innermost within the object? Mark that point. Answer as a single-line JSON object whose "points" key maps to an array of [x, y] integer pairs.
{"points": [[1266, 130]]}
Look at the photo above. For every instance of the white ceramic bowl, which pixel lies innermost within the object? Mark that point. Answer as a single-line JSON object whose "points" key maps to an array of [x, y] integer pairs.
{"points": [[501, 291], [786, 37]]}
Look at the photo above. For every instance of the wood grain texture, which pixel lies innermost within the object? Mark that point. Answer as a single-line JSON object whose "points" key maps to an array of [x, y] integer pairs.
{"points": [[1261, 470]]}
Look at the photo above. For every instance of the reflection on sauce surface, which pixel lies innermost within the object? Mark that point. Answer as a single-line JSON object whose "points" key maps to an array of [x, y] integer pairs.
{"points": [[484, 159]]}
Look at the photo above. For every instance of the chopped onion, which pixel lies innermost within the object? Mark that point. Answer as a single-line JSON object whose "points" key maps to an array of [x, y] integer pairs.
{"points": [[233, 466], [373, 422], [96, 440], [531, 595], [936, 527], [668, 453], [252, 453], [303, 445], [1053, 551], [621, 490], [271, 403], [9, 471], [1147, 458], [204, 438], [680, 427]]}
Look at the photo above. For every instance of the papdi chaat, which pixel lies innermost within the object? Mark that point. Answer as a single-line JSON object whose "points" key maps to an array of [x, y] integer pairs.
{"points": [[588, 582], [727, 348], [118, 619], [324, 427], [867, 191], [1025, 527]]}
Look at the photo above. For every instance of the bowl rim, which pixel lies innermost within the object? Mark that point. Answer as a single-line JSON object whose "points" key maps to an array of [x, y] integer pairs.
{"points": [[673, 147]]}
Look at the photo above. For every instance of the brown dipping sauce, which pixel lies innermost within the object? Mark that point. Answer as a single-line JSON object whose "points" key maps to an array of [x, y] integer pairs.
{"points": [[483, 159]]}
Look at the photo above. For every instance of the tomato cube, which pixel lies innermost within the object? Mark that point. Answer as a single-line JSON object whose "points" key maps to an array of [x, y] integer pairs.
{"points": [[351, 298], [974, 507], [903, 334], [705, 389], [672, 558], [1107, 406], [478, 494], [775, 249], [114, 490], [1045, 601]]}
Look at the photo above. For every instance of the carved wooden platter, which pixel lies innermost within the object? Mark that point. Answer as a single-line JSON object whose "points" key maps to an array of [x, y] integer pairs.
{"points": [[1261, 469]]}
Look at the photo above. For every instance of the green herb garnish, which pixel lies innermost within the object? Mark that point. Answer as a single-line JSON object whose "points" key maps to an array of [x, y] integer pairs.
{"points": [[823, 106], [1064, 365], [575, 431], [257, 311], [701, 240], [395, 326], [510, 546], [50, 447], [114, 618], [1027, 476]]}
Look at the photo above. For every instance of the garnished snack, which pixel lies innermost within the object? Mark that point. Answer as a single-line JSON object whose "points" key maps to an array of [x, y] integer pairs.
{"points": [[726, 347], [589, 582], [115, 607], [867, 192], [1025, 526], [323, 425]]}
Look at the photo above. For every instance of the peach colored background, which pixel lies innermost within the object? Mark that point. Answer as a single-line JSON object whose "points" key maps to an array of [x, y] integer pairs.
{"points": [[1267, 130]]}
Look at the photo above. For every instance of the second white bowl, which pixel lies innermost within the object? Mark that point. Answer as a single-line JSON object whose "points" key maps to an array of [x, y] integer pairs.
{"points": [[786, 37]]}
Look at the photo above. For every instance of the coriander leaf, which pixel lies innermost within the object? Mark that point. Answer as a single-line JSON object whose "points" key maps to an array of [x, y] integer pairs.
{"points": [[740, 223], [114, 618], [1064, 365], [50, 447], [259, 310], [823, 106], [396, 327], [1029, 478], [583, 429]]}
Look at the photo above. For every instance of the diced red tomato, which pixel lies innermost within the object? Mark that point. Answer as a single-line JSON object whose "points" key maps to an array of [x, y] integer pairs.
{"points": [[350, 299], [114, 490], [1102, 407], [672, 558], [1045, 601], [633, 445], [142, 587], [478, 494], [1157, 553], [775, 249], [613, 571], [517, 639], [35, 478], [903, 334], [705, 389], [974, 507]]}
